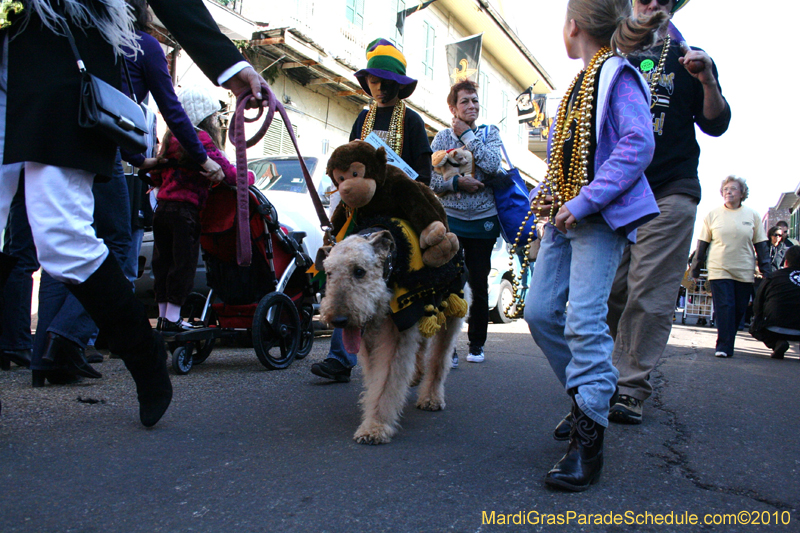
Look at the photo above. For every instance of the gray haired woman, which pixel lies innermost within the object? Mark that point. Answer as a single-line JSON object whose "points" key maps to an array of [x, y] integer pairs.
{"points": [[727, 239]]}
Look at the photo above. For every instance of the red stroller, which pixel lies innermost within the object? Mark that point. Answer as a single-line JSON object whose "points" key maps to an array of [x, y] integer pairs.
{"points": [[273, 297]]}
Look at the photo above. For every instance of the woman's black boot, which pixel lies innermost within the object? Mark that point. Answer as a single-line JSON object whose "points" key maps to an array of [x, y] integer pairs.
{"points": [[56, 376], [108, 298], [583, 462], [62, 352]]}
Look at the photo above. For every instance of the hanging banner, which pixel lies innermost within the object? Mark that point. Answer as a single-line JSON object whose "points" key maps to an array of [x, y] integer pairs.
{"points": [[525, 105], [531, 108], [464, 58], [401, 16]]}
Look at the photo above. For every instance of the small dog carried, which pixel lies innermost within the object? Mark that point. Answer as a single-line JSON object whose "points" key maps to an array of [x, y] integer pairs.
{"points": [[401, 317]]}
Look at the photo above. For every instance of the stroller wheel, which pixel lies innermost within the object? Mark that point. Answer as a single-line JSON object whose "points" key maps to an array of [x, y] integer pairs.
{"points": [[306, 331], [182, 359], [276, 327]]}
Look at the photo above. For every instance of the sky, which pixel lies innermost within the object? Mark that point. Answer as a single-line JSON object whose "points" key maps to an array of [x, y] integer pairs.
{"points": [[754, 54]]}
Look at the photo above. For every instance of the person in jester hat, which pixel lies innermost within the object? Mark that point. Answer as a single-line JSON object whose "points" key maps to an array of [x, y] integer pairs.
{"points": [[385, 80], [685, 91]]}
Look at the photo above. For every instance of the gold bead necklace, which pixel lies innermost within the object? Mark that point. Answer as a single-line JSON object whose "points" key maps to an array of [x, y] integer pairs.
{"points": [[396, 126], [564, 184], [658, 71]]}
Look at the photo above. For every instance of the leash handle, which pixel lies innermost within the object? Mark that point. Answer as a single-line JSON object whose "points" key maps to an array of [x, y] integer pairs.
{"points": [[238, 138]]}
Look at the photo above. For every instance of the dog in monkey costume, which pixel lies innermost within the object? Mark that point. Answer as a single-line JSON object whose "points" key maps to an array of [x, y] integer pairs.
{"points": [[370, 188]]}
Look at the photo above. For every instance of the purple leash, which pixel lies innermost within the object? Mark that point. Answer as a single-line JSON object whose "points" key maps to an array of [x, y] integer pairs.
{"points": [[237, 137]]}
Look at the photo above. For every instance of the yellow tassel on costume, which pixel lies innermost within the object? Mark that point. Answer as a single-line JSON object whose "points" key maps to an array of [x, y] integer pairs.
{"points": [[456, 306], [441, 319], [429, 324]]}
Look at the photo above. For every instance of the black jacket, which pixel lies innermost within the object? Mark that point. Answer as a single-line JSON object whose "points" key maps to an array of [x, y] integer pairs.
{"points": [[777, 302], [43, 84]]}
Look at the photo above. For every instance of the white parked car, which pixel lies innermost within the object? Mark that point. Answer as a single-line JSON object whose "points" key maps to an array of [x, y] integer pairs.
{"points": [[281, 180]]}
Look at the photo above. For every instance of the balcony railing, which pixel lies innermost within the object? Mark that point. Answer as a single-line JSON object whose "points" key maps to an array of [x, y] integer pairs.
{"points": [[233, 5]]}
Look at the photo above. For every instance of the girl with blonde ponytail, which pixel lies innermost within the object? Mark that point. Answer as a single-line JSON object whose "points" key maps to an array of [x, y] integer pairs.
{"points": [[596, 195]]}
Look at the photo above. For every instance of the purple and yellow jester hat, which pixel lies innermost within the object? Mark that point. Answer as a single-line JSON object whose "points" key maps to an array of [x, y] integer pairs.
{"points": [[385, 61]]}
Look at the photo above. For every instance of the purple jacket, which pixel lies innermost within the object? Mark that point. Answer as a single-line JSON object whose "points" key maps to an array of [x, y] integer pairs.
{"points": [[149, 73], [625, 145]]}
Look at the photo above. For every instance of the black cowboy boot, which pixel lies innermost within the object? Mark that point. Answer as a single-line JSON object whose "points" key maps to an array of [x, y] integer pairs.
{"points": [[62, 352], [564, 427], [108, 298], [583, 462]]}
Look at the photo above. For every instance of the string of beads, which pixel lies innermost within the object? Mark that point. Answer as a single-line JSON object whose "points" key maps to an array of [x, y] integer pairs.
{"points": [[657, 73], [396, 126]]}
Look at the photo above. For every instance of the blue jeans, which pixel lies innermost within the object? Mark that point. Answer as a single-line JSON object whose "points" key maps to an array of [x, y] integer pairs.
{"points": [[16, 303], [338, 352], [132, 265], [730, 302], [578, 267], [112, 217], [59, 313]]}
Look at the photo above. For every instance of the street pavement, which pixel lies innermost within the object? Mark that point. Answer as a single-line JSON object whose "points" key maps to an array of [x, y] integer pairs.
{"points": [[245, 449]]}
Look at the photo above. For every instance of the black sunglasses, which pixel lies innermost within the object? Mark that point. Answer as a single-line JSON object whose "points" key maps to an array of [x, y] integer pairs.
{"points": [[660, 2]]}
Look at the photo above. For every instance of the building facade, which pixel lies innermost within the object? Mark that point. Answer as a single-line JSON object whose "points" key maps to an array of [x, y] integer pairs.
{"points": [[309, 50]]}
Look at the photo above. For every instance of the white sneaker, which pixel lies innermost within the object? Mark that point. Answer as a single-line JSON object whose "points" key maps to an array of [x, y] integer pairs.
{"points": [[721, 354], [475, 357]]}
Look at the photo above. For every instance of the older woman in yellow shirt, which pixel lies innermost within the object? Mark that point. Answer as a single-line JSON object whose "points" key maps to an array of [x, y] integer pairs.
{"points": [[729, 236]]}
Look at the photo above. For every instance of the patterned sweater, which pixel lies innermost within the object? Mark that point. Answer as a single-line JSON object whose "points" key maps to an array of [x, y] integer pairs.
{"points": [[463, 205], [188, 184]]}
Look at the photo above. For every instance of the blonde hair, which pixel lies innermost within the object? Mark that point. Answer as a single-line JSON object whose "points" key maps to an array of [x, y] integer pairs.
{"points": [[611, 22], [742, 185]]}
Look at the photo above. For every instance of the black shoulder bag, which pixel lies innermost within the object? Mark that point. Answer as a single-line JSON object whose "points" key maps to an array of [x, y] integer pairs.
{"points": [[109, 110]]}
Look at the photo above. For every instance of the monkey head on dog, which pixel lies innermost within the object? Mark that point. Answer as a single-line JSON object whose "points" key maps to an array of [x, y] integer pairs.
{"points": [[373, 188]]}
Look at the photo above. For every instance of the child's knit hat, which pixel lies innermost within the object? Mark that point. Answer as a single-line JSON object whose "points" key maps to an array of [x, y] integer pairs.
{"points": [[198, 103]]}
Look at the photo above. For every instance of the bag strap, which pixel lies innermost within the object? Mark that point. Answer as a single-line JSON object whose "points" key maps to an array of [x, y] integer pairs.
{"points": [[502, 146], [241, 143], [505, 154], [82, 66]]}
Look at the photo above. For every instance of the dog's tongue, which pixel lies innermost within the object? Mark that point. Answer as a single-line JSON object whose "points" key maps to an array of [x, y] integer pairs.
{"points": [[352, 339]]}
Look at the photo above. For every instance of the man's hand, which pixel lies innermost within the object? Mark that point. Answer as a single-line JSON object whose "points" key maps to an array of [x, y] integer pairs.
{"points": [[565, 220], [244, 80], [541, 207], [699, 65], [459, 126], [212, 171]]}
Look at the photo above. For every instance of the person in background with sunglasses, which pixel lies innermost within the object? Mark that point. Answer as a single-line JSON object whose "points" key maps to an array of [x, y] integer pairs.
{"points": [[685, 91], [777, 248], [784, 227]]}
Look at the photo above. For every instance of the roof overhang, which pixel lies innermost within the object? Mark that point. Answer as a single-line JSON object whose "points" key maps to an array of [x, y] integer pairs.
{"points": [[232, 24], [787, 200]]}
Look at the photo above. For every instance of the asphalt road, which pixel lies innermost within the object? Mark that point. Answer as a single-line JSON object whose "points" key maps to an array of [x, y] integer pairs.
{"points": [[244, 449]]}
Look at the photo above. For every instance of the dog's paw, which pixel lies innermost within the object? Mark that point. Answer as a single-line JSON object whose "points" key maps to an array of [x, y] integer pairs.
{"points": [[431, 404], [373, 435]]}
